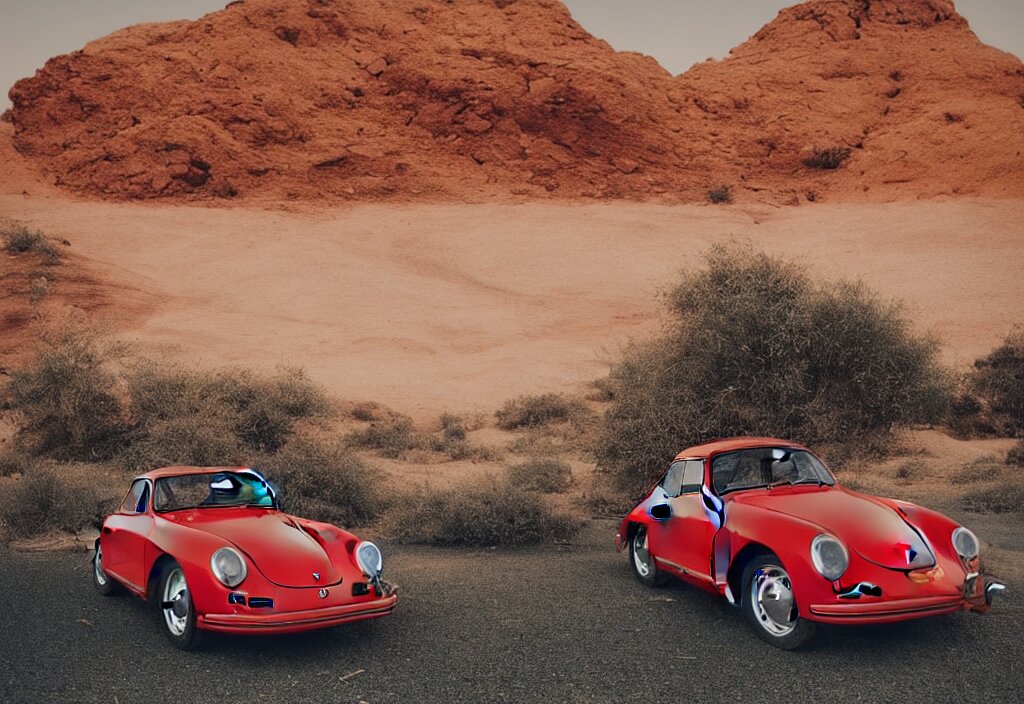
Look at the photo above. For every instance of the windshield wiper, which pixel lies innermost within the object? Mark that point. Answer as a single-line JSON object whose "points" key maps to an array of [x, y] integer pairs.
{"points": [[819, 482]]}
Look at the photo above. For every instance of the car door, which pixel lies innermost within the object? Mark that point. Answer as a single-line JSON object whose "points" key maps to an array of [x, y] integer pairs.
{"points": [[125, 534], [686, 537]]}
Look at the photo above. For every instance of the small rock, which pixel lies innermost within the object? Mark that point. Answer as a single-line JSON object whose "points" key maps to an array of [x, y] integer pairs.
{"points": [[475, 124], [376, 67], [626, 166]]}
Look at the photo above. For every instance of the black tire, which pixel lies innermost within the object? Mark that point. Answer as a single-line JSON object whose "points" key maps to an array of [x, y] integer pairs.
{"points": [[175, 608], [103, 582], [766, 590], [645, 569]]}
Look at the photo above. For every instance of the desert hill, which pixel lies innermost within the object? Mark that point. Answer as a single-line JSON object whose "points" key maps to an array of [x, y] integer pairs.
{"points": [[334, 100]]}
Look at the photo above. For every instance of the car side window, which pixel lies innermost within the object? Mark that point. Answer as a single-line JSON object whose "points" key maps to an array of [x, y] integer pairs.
{"points": [[693, 475], [137, 498], [673, 480]]}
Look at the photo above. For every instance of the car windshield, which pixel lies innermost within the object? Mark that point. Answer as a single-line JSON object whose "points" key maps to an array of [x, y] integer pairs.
{"points": [[767, 466], [237, 488]]}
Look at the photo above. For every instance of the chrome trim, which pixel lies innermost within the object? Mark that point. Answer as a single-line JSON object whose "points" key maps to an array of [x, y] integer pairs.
{"points": [[684, 570], [993, 590]]}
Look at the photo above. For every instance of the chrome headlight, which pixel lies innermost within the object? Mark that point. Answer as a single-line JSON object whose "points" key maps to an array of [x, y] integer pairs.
{"points": [[369, 559], [965, 543], [829, 557], [228, 567]]}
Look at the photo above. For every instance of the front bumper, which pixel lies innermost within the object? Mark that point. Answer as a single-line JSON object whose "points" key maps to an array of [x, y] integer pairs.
{"points": [[977, 595], [306, 620]]}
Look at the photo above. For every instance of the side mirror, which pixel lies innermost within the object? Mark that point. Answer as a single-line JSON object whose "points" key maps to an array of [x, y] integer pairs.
{"points": [[661, 512]]}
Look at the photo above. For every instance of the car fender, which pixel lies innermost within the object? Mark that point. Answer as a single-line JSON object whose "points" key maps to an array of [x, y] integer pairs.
{"points": [[788, 538]]}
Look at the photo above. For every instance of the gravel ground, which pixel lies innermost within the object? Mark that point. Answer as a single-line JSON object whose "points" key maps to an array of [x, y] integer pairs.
{"points": [[563, 624]]}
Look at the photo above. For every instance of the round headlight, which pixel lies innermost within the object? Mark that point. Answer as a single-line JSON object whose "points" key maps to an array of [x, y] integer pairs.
{"points": [[965, 543], [369, 559], [829, 557], [228, 567]]}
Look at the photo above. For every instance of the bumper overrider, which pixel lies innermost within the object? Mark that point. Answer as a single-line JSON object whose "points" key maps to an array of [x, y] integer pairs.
{"points": [[977, 595], [293, 621]]}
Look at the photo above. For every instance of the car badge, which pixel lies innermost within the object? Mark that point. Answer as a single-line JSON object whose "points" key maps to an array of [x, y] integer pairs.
{"points": [[323, 593], [316, 576], [908, 552]]}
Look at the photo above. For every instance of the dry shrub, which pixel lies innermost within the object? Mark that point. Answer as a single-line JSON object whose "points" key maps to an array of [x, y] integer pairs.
{"points": [[828, 159], [482, 513], [603, 497], [367, 411], [994, 397], [14, 462], [759, 348], [59, 498], [391, 437], [1004, 498], [981, 469], [911, 470], [722, 194], [188, 416], [538, 410], [546, 475], [324, 482], [67, 398], [1016, 455], [18, 239], [453, 441]]}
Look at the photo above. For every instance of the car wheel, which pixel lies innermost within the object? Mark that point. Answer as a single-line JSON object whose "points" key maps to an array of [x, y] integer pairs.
{"points": [[642, 560], [103, 582], [770, 607], [177, 612]]}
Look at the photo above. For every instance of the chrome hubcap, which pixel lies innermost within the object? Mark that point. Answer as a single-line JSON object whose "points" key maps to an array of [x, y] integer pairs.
{"points": [[97, 563], [641, 555], [771, 593], [177, 602]]}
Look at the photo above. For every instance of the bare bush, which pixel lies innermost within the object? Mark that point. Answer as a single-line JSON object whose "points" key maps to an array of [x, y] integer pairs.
{"points": [[546, 475], [534, 411], [483, 513], [67, 398], [55, 498], [828, 159], [324, 482], [19, 239], [759, 348], [391, 437]]}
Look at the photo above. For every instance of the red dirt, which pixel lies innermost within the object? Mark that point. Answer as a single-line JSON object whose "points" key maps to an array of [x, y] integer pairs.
{"points": [[335, 100]]}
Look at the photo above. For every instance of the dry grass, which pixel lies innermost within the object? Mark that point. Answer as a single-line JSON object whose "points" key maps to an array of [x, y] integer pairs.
{"points": [[538, 410], [546, 475], [18, 239], [483, 513], [993, 402], [1007, 497], [392, 437], [828, 159], [14, 462], [719, 195]]}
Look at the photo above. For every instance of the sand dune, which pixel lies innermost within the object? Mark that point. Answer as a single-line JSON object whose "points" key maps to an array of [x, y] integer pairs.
{"points": [[461, 306]]}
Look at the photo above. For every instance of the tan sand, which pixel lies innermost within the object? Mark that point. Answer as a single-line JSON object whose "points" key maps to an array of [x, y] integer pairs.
{"points": [[424, 307]]}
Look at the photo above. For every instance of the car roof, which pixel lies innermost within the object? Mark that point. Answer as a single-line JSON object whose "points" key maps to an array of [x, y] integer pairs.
{"points": [[730, 444], [178, 471]]}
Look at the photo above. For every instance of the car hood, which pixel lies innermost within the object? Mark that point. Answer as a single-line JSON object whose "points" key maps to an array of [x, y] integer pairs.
{"points": [[285, 553], [867, 526]]}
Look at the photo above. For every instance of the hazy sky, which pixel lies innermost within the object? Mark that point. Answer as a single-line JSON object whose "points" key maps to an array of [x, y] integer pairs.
{"points": [[678, 33]]}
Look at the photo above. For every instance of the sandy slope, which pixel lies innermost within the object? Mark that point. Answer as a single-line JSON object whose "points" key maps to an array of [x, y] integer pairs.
{"points": [[461, 306]]}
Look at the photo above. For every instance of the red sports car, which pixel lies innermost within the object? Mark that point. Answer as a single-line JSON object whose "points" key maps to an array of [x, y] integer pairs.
{"points": [[211, 547], [764, 523]]}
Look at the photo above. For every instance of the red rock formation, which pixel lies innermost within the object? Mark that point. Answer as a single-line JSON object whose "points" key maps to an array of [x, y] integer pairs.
{"points": [[345, 99]]}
